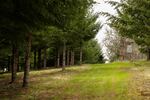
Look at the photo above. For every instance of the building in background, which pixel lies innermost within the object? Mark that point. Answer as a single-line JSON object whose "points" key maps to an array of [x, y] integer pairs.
{"points": [[129, 50]]}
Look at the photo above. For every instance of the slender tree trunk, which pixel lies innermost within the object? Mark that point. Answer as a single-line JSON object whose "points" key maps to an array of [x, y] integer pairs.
{"points": [[9, 63], [64, 56], [14, 65], [18, 69], [80, 55], [39, 59], [27, 60], [72, 58], [148, 58], [58, 58], [45, 58], [35, 66], [68, 57]]}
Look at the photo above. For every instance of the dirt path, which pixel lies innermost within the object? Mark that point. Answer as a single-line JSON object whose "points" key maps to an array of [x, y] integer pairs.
{"points": [[139, 86]]}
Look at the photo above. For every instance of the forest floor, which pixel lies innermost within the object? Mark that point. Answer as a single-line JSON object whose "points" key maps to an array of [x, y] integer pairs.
{"points": [[114, 81]]}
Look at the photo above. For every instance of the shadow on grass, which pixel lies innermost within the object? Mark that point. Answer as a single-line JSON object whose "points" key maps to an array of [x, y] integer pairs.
{"points": [[51, 82], [10, 91], [15, 90]]}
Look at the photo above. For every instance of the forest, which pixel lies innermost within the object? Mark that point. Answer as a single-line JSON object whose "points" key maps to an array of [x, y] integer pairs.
{"points": [[48, 50]]}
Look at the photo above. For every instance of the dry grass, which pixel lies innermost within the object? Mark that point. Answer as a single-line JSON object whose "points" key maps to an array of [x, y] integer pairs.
{"points": [[87, 82]]}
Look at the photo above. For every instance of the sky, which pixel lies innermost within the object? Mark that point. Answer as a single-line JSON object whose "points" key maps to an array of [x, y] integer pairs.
{"points": [[101, 6]]}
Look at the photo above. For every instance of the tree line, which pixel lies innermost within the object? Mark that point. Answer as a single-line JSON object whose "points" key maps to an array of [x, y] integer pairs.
{"points": [[132, 21], [37, 33]]}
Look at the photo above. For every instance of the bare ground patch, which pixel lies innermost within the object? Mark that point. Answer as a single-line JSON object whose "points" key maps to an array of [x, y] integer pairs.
{"points": [[139, 85]]}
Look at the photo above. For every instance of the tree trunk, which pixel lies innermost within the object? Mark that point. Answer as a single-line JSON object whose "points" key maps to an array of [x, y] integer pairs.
{"points": [[68, 57], [58, 58], [35, 66], [14, 65], [72, 58], [64, 56], [148, 58], [45, 58], [18, 69], [80, 55], [9, 64], [39, 59], [27, 60]]}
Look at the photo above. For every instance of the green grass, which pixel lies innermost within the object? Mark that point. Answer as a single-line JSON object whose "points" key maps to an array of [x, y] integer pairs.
{"points": [[87, 82]]}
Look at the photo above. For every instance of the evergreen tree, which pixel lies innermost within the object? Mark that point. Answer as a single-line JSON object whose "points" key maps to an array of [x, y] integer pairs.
{"points": [[133, 21]]}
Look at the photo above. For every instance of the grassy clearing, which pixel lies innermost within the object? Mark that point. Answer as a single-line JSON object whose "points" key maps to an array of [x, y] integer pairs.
{"points": [[87, 82]]}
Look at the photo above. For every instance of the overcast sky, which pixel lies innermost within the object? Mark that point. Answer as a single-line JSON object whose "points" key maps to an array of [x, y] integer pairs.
{"points": [[101, 6]]}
